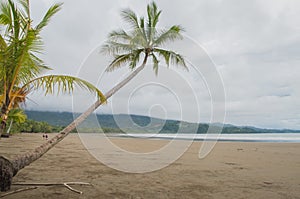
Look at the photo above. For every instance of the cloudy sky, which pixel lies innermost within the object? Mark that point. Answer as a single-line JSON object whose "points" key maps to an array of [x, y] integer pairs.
{"points": [[253, 45]]}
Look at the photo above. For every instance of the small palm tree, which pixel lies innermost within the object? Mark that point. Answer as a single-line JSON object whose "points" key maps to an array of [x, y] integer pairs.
{"points": [[16, 116], [20, 74]]}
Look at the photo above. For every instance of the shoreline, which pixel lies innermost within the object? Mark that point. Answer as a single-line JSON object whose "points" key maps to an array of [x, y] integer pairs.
{"points": [[258, 137]]}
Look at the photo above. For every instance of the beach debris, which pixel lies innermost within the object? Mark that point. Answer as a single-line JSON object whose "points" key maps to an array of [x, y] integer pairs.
{"points": [[268, 183], [17, 191], [67, 184], [231, 163]]}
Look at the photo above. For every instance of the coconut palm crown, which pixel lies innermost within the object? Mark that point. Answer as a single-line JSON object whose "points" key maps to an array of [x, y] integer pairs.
{"points": [[145, 40]]}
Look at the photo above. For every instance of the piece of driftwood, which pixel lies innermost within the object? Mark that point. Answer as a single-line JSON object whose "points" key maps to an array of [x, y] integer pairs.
{"points": [[72, 189], [65, 184], [17, 191]]}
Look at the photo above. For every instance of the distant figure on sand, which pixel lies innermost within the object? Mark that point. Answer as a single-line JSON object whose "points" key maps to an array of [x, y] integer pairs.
{"points": [[45, 136]]}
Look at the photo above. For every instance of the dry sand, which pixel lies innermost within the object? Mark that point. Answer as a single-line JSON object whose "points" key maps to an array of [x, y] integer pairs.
{"points": [[232, 170]]}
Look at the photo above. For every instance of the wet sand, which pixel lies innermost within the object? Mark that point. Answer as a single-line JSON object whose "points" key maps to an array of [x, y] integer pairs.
{"points": [[231, 170]]}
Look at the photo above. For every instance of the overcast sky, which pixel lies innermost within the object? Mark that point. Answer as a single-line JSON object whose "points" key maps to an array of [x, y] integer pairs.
{"points": [[254, 45]]}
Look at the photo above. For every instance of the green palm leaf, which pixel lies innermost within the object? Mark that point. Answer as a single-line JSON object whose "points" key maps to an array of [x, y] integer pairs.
{"points": [[119, 35], [2, 44], [171, 57], [17, 115], [51, 11], [170, 35], [25, 4], [119, 61], [153, 18], [61, 83], [130, 17], [155, 64]]}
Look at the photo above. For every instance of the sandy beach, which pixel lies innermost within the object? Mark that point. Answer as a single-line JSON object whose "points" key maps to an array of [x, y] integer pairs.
{"points": [[231, 170]]}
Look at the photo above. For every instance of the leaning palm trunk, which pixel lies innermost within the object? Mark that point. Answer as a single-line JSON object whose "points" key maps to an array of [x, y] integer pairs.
{"points": [[9, 168]]}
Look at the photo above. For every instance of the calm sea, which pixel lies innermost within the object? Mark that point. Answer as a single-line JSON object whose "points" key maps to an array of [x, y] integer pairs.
{"points": [[260, 137]]}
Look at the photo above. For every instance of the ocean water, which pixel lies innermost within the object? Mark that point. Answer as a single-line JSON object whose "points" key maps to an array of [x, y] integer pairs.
{"points": [[259, 137]]}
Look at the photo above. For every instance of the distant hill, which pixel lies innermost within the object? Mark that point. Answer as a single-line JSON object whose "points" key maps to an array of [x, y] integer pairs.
{"points": [[143, 124]]}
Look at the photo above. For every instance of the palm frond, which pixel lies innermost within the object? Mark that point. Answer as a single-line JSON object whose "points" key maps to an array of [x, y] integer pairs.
{"points": [[119, 61], [135, 58], [113, 48], [155, 64], [139, 38], [5, 16], [119, 35], [32, 66], [130, 17], [149, 12], [152, 11], [25, 4], [174, 33], [156, 18], [51, 11], [61, 83], [153, 18], [17, 115], [18, 97], [15, 19], [3, 44], [171, 57], [21, 57], [33, 42], [143, 31], [137, 24]]}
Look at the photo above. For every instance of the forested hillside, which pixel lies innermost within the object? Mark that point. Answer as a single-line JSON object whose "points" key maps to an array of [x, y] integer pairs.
{"points": [[140, 124]]}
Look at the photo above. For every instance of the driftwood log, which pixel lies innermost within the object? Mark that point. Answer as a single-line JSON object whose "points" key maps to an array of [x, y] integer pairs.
{"points": [[17, 191]]}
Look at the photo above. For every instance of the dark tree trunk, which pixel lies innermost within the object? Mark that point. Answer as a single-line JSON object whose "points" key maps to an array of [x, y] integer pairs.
{"points": [[10, 168], [6, 173], [2, 128], [4, 115], [3, 124]]}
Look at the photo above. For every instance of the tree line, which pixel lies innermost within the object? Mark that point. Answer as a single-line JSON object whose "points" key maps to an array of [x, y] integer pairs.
{"points": [[31, 126]]}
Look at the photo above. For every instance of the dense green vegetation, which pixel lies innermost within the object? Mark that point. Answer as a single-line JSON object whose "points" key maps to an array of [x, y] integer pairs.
{"points": [[31, 126]]}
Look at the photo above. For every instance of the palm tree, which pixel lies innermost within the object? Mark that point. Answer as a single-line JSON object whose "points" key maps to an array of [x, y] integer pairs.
{"points": [[20, 67], [20, 74], [143, 42]]}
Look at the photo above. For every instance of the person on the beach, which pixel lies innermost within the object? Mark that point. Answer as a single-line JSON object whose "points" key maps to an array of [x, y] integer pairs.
{"points": [[45, 136]]}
